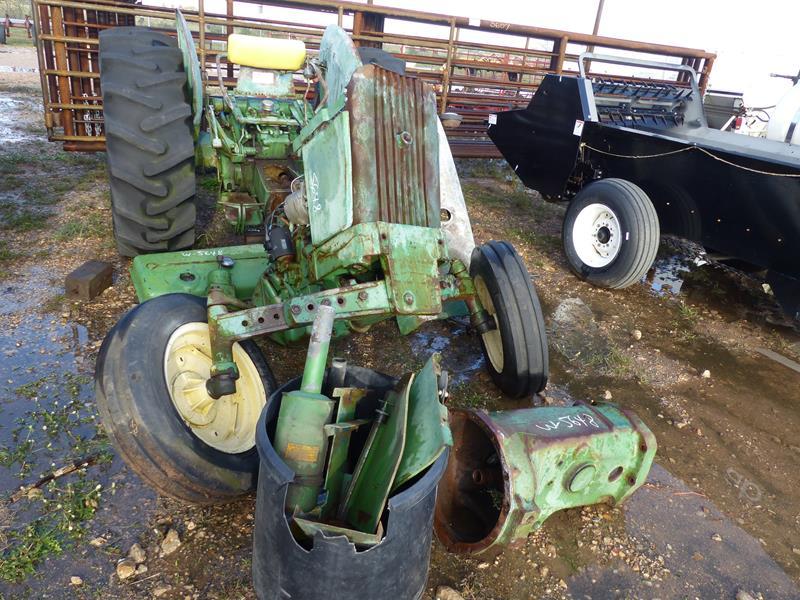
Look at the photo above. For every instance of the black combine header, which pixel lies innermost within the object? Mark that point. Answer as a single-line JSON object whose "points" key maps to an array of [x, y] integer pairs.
{"points": [[637, 158]]}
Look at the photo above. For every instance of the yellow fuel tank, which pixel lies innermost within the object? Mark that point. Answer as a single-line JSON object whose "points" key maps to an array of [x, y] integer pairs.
{"points": [[276, 54]]}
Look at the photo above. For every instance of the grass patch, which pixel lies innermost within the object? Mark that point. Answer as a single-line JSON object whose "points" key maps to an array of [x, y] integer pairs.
{"points": [[209, 183], [7, 253], [66, 508], [52, 304], [19, 38], [543, 241], [92, 225], [21, 88], [618, 364], [478, 193], [685, 323], [10, 183], [33, 155], [611, 362], [15, 218], [465, 395]]}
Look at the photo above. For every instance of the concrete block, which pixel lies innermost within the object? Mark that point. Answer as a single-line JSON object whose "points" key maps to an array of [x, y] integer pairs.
{"points": [[89, 280]]}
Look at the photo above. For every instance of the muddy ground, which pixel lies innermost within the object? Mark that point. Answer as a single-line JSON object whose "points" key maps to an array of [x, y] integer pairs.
{"points": [[718, 518]]}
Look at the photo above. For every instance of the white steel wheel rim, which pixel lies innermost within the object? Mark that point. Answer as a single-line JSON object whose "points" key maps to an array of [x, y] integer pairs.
{"points": [[492, 341], [597, 235], [227, 424]]}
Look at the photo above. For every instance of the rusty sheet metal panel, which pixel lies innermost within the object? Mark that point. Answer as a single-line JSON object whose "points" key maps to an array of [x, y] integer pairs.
{"points": [[395, 148]]}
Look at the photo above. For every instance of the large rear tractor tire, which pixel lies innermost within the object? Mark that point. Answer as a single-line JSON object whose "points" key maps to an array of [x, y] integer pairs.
{"points": [[149, 140], [150, 384], [516, 348], [611, 233]]}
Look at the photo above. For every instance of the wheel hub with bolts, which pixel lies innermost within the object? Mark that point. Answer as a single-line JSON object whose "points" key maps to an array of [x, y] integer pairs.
{"points": [[229, 423], [597, 235]]}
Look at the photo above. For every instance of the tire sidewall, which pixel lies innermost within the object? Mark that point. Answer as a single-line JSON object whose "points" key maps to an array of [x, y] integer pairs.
{"points": [[485, 269], [519, 319], [153, 418], [600, 192]]}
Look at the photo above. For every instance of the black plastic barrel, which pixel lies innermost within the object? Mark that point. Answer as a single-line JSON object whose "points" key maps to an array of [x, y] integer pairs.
{"points": [[396, 568]]}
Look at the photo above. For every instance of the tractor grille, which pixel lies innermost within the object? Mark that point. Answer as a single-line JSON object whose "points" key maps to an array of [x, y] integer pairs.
{"points": [[395, 148]]}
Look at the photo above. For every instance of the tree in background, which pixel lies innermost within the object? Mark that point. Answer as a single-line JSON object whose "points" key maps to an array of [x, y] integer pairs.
{"points": [[16, 9]]}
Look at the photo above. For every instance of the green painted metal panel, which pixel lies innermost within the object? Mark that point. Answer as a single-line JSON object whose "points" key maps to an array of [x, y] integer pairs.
{"points": [[340, 59], [428, 430], [377, 466], [301, 441], [509, 471], [188, 271], [327, 167], [191, 65]]}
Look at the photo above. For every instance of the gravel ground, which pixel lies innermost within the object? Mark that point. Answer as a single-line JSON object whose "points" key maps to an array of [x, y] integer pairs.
{"points": [[718, 518]]}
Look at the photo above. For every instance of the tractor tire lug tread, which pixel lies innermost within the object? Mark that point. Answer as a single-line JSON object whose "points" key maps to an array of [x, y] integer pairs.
{"points": [[150, 143]]}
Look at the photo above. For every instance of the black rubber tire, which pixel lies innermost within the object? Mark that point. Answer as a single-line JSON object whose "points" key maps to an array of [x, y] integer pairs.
{"points": [[149, 140], [640, 233], [138, 414], [2, 34], [519, 319]]}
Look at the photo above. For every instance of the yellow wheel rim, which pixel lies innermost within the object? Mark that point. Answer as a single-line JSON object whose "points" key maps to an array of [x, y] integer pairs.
{"points": [[229, 423], [491, 339]]}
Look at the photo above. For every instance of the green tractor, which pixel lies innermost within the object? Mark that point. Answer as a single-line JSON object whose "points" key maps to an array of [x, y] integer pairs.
{"points": [[355, 204]]}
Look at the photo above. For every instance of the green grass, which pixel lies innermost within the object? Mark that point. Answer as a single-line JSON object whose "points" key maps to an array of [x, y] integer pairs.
{"points": [[684, 324], [543, 241], [610, 362], [66, 507], [21, 219], [464, 395], [209, 183], [60, 428], [10, 182], [19, 37], [92, 225], [21, 88], [618, 364], [6, 253], [11, 161]]}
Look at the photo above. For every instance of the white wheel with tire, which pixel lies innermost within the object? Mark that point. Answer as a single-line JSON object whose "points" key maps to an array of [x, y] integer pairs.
{"points": [[229, 423], [150, 379], [611, 233], [596, 235]]}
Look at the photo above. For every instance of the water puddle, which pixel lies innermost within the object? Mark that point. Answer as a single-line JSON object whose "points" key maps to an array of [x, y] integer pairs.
{"points": [[49, 425], [10, 131], [29, 292], [667, 274], [461, 352], [684, 270]]}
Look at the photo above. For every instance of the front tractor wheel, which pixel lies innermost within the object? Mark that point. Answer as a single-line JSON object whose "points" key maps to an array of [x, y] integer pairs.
{"points": [[515, 347], [151, 394], [611, 233]]}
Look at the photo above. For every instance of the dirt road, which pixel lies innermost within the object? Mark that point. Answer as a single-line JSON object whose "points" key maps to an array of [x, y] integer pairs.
{"points": [[719, 515]]}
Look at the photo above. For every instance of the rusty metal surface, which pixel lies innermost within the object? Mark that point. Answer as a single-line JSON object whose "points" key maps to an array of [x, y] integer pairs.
{"points": [[509, 471], [395, 148], [473, 78]]}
